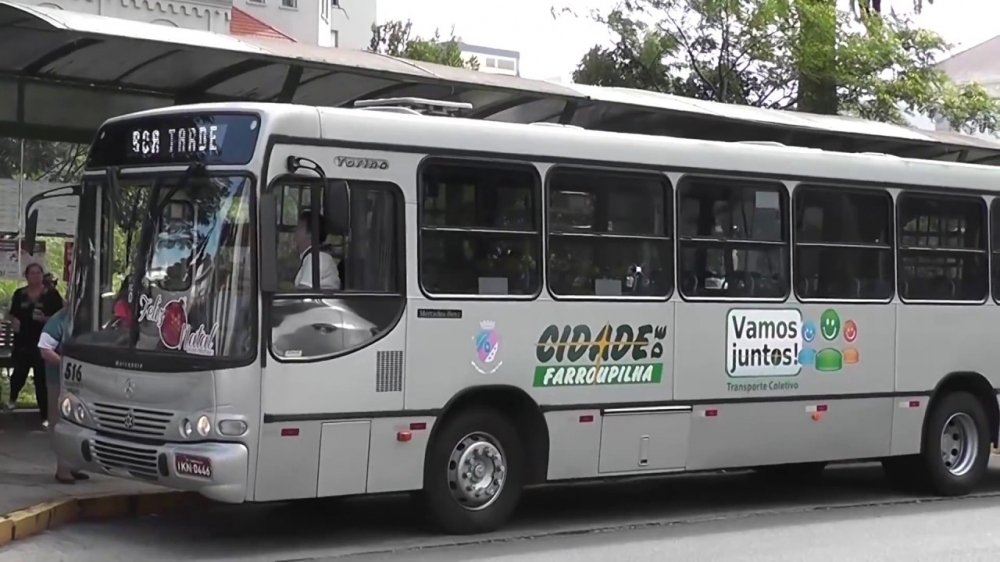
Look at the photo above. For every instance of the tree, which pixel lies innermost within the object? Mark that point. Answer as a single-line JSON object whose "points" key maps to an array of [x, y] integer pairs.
{"points": [[396, 39], [785, 54]]}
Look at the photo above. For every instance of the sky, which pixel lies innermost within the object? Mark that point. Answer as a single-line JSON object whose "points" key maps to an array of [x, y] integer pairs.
{"points": [[551, 47]]}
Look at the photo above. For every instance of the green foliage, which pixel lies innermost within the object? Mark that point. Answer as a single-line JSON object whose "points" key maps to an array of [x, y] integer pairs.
{"points": [[43, 160], [396, 39], [53, 263], [24, 400], [59, 163], [786, 54]]}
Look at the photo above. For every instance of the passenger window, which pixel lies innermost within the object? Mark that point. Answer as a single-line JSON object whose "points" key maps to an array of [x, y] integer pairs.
{"points": [[609, 234], [843, 244], [733, 238], [479, 229], [370, 299], [995, 229], [942, 248]]}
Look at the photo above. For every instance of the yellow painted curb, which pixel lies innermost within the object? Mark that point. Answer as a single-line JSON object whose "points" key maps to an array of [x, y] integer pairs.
{"points": [[49, 515]]}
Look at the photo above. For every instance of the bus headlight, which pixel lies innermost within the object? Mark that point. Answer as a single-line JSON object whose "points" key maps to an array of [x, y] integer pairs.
{"points": [[80, 414], [232, 428], [66, 407], [204, 426], [186, 428]]}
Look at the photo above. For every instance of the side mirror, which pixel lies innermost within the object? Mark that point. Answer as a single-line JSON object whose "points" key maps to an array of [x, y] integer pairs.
{"points": [[337, 207], [31, 220], [31, 231]]}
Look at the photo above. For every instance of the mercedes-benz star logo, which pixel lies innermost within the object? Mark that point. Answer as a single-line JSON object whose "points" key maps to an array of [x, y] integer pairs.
{"points": [[129, 388], [129, 420]]}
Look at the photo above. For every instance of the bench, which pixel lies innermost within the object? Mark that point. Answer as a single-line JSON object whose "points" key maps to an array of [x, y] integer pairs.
{"points": [[6, 344]]}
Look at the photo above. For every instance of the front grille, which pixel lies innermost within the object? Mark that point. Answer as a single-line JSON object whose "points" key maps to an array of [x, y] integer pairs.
{"points": [[137, 421], [138, 461]]}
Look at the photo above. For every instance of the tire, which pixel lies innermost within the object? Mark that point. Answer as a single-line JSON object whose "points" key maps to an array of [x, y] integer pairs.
{"points": [[960, 469], [796, 473], [472, 436]]}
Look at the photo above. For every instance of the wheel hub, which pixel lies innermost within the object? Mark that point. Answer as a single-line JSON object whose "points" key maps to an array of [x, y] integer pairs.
{"points": [[959, 440], [477, 471]]}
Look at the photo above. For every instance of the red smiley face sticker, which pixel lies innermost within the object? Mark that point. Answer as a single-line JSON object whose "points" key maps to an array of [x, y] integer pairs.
{"points": [[850, 331]]}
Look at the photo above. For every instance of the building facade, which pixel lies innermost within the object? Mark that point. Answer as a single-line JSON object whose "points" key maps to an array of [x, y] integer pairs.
{"points": [[493, 61], [326, 23]]}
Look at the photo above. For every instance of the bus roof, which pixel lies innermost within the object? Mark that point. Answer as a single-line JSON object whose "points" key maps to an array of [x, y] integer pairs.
{"points": [[418, 133]]}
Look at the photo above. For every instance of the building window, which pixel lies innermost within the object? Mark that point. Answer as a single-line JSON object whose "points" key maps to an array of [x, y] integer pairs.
{"points": [[291, 4], [256, 2], [335, 3], [491, 62], [507, 64], [843, 243], [609, 234], [480, 229], [942, 248], [732, 238], [334, 38]]}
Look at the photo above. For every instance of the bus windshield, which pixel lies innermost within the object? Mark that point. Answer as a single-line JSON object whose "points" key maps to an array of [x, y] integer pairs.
{"points": [[170, 260]]}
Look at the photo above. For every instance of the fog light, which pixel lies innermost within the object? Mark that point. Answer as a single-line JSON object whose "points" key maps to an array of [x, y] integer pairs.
{"points": [[80, 413], [204, 426], [186, 428], [66, 407], [232, 428]]}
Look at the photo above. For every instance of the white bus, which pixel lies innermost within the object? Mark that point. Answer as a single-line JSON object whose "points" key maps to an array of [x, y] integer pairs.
{"points": [[492, 306]]}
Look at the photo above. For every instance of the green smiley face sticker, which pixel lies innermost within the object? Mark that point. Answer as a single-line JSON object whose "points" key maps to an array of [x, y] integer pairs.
{"points": [[829, 324]]}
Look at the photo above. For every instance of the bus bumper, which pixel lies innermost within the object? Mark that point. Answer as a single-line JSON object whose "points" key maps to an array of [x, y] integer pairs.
{"points": [[215, 470]]}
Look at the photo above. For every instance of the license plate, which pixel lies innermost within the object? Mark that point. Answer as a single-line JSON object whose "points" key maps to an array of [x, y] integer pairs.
{"points": [[190, 465]]}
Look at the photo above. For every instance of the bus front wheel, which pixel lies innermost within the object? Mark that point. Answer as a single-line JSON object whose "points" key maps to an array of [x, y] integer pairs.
{"points": [[474, 473]]}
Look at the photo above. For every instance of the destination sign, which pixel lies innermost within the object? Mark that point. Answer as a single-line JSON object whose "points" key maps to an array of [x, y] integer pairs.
{"points": [[177, 139]]}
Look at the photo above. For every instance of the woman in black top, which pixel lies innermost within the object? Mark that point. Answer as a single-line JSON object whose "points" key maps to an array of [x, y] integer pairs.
{"points": [[30, 307]]}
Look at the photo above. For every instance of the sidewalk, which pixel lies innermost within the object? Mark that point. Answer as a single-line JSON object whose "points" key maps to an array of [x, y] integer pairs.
{"points": [[27, 468]]}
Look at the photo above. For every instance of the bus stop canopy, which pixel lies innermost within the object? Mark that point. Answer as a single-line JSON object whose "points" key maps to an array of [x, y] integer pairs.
{"points": [[63, 73]]}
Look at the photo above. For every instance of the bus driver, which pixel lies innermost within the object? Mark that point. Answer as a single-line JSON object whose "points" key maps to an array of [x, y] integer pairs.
{"points": [[329, 277]]}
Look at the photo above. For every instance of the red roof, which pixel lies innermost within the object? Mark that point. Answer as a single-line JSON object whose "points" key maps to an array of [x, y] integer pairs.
{"points": [[244, 24]]}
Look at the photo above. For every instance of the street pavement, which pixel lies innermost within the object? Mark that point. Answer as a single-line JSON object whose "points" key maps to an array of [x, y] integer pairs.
{"points": [[27, 468], [960, 531], [851, 514]]}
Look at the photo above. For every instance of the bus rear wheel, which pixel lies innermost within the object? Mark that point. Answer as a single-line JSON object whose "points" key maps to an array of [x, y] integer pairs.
{"points": [[956, 447], [474, 473]]}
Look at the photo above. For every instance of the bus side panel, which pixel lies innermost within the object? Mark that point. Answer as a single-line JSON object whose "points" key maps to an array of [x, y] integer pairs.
{"points": [[559, 353], [574, 443], [755, 434], [762, 357], [395, 464], [908, 423], [288, 461], [935, 340], [932, 342]]}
